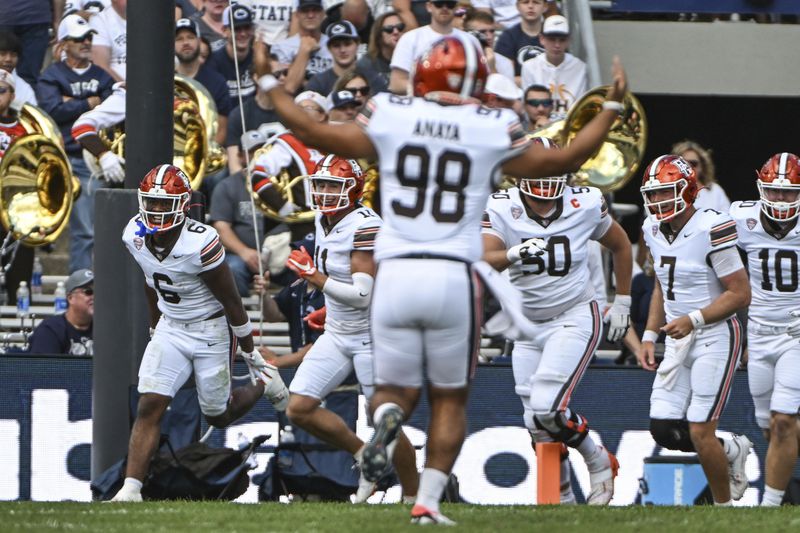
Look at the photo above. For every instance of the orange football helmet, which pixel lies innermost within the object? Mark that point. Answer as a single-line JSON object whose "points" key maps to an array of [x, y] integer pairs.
{"points": [[453, 71], [164, 198], [544, 188], [336, 184], [669, 172], [779, 187]]}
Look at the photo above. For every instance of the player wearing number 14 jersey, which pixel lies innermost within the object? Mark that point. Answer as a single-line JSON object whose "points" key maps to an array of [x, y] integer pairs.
{"points": [[769, 234], [700, 284], [440, 155], [540, 231]]}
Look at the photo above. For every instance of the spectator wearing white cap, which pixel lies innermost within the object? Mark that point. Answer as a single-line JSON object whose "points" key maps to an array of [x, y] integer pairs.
{"points": [[10, 51], [110, 47], [69, 333], [66, 90], [343, 45], [306, 51], [556, 68], [10, 128], [501, 92], [238, 23], [231, 215]]}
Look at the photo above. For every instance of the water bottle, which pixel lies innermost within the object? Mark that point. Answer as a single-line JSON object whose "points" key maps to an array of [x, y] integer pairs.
{"points": [[60, 300], [3, 293], [23, 300], [286, 457], [36, 277]]}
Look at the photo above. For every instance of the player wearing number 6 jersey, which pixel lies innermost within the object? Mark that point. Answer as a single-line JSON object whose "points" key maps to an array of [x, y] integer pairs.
{"points": [[440, 155], [700, 284], [540, 231], [769, 235], [196, 316]]}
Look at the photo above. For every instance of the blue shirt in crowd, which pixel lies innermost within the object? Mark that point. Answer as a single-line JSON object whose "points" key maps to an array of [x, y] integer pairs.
{"points": [[55, 335]]}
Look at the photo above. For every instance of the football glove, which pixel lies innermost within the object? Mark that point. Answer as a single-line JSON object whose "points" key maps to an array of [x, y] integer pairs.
{"points": [[111, 164], [618, 317], [300, 263], [256, 366], [526, 250], [793, 330], [316, 319]]}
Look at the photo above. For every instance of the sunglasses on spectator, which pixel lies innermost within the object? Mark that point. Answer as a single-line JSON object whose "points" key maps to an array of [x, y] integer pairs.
{"points": [[390, 29], [4, 90], [88, 291], [536, 102], [281, 73], [88, 36], [484, 32], [363, 90], [439, 4]]}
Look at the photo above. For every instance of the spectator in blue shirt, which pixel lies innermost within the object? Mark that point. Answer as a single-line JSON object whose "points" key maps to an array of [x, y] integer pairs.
{"points": [[71, 332], [238, 22], [66, 90], [31, 21]]}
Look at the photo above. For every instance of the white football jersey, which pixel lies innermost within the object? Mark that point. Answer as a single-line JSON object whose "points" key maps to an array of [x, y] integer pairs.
{"points": [[438, 165], [332, 249], [560, 279], [174, 274], [772, 261], [682, 263], [109, 113]]}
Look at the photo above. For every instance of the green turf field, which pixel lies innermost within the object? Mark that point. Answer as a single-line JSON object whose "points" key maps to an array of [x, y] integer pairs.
{"points": [[340, 518]]}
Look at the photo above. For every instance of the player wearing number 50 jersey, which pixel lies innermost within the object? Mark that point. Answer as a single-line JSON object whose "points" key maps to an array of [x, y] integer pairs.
{"points": [[196, 316], [769, 235], [440, 155], [700, 284], [540, 231]]}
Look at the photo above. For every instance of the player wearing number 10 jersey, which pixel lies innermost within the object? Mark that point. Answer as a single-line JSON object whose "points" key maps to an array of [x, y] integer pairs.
{"points": [[440, 155], [769, 234], [700, 284]]}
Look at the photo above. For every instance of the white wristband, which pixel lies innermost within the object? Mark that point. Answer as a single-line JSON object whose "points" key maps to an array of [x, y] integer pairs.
{"points": [[649, 336], [242, 331], [611, 105], [267, 82], [697, 319]]}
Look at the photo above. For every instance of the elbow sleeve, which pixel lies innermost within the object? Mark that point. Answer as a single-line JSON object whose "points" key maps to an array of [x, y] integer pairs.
{"points": [[357, 295]]}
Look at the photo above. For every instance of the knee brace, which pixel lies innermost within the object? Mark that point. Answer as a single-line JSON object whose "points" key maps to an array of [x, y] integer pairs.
{"points": [[672, 434], [564, 426]]}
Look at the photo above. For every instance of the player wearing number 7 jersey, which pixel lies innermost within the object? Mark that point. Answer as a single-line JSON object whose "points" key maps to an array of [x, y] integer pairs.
{"points": [[769, 235], [440, 155], [196, 317], [540, 231], [700, 284]]}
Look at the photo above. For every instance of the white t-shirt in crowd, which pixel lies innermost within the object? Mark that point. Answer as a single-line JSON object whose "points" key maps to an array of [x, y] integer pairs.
{"points": [[272, 18], [712, 197], [415, 43], [505, 11], [112, 32], [23, 92], [286, 50], [567, 81]]}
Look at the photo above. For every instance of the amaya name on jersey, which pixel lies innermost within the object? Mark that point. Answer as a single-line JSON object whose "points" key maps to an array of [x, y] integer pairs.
{"points": [[333, 245], [175, 274], [560, 279]]}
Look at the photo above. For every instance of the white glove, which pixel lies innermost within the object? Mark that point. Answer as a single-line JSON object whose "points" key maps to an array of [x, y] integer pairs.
{"points": [[256, 366], [111, 164], [618, 317], [793, 330], [526, 250]]}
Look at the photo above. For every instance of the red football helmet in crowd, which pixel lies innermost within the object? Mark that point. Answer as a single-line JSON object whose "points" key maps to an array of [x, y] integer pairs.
{"points": [[779, 187], [544, 188], [337, 183], [453, 70], [669, 173], [164, 197]]}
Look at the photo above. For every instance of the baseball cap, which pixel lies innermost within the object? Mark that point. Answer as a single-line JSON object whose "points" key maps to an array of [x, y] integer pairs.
{"points": [[314, 97], [309, 3], [555, 25], [188, 24], [503, 87], [242, 16], [343, 29], [253, 139], [8, 79], [342, 98], [73, 27], [79, 278]]}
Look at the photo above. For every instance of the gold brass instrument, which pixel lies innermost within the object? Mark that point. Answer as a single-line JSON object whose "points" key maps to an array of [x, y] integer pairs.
{"points": [[619, 157], [216, 157], [37, 188]]}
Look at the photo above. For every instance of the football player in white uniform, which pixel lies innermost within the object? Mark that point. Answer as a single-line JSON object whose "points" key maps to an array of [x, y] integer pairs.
{"points": [[540, 231], [343, 269], [196, 317], [440, 154], [700, 284], [769, 235]]}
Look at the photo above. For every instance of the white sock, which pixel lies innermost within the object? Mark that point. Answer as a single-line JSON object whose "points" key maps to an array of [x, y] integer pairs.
{"points": [[381, 410], [131, 485], [431, 487], [772, 497], [730, 447], [592, 454], [728, 503]]}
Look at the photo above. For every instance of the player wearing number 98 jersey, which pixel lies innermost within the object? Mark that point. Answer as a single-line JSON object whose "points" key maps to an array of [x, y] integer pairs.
{"points": [[540, 231], [196, 315], [700, 284], [769, 235]]}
